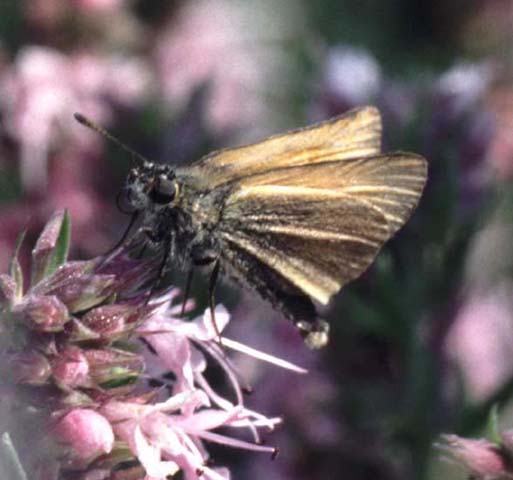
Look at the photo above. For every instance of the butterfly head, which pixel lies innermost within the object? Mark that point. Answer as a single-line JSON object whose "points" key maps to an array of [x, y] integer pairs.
{"points": [[151, 185]]}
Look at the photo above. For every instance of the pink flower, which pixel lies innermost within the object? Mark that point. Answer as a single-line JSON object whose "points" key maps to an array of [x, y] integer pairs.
{"points": [[481, 341], [231, 56], [98, 6], [175, 343], [165, 440], [87, 432], [45, 87]]}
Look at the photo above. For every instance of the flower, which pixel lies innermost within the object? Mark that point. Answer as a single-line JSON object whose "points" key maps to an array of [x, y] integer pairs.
{"points": [[43, 89], [350, 77], [166, 440], [175, 342], [231, 58], [482, 459], [86, 347], [480, 340]]}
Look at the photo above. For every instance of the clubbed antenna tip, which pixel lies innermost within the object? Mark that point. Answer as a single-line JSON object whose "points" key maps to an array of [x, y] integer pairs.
{"points": [[80, 118], [83, 120]]}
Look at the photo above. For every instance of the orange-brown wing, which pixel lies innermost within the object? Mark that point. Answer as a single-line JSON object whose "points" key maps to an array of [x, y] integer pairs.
{"points": [[320, 226], [354, 134]]}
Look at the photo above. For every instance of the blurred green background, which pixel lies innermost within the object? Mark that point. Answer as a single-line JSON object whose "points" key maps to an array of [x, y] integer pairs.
{"points": [[422, 344]]}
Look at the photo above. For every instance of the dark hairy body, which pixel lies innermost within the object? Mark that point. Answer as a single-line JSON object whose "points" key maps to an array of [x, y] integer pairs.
{"points": [[189, 231]]}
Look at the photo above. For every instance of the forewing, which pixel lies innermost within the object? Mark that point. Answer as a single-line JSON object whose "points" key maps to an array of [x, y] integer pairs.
{"points": [[355, 134], [321, 225]]}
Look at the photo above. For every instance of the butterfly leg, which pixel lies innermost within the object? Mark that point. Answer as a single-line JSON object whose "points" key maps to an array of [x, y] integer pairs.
{"points": [[120, 242], [141, 252], [201, 255], [214, 274], [162, 269]]}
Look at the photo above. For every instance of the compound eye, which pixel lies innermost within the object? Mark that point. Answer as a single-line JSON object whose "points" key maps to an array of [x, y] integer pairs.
{"points": [[164, 191]]}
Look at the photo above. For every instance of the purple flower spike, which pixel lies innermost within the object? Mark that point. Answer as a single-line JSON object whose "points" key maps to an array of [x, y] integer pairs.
{"points": [[121, 383]]}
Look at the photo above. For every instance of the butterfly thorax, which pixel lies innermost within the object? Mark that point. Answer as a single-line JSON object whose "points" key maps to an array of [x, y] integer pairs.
{"points": [[177, 214]]}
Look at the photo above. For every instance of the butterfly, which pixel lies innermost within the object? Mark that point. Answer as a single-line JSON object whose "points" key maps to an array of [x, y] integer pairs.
{"points": [[294, 217]]}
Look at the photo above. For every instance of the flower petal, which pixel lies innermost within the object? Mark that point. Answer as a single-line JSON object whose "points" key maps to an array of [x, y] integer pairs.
{"points": [[207, 419], [206, 330], [266, 357], [236, 443], [150, 457]]}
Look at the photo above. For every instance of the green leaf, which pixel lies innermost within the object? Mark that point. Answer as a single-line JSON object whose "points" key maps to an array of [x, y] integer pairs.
{"points": [[10, 465], [60, 253], [15, 268], [492, 425], [129, 379], [52, 247]]}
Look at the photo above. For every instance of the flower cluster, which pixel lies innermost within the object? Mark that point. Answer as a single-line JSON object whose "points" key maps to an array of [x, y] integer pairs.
{"points": [[116, 380]]}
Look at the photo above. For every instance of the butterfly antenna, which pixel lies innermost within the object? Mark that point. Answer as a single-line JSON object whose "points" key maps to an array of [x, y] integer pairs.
{"points": [[93, 126]]}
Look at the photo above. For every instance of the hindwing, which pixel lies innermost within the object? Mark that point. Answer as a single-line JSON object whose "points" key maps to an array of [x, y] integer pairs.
{"points": [[321, 225]]}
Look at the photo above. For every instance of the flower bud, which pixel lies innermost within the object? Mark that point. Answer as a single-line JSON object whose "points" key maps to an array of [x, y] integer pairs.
{"points": [[129, 274], [63, 275], [78, 332], [112, 365], [43, 313], [111, 321], [76, 286], [70, 369], [85, 292], [88, 433], [29, 368]]}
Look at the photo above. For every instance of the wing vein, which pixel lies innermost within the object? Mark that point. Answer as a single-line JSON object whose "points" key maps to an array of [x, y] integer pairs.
{"points": [[312, 233]]}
